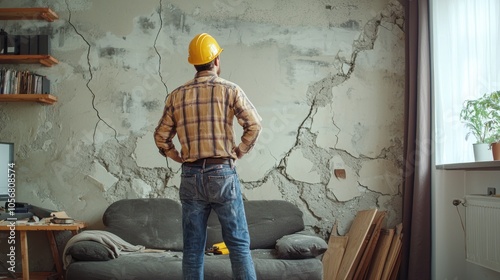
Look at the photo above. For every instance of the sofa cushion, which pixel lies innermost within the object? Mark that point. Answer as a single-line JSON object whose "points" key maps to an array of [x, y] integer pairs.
{"points": [[300, 246], [141, 266], [89, 251], [268, 221], [154, 223], [168, 266]]}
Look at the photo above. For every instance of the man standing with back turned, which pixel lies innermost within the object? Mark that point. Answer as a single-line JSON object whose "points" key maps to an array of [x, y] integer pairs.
{"points": [[201, 113]]}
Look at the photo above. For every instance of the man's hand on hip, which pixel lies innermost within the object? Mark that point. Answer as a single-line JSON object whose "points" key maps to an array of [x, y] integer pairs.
{"points": [[174, 155]]}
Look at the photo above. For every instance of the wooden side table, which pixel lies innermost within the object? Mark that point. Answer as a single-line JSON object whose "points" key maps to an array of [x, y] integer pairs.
{"points": [[49, 229]]}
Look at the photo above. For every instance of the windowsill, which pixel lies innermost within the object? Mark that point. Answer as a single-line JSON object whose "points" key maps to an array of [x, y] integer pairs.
{"points": [[478, 165]]}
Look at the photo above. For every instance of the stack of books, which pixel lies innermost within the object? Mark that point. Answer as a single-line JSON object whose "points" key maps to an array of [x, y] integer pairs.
{"points": [[24, 44], [23, 82]]}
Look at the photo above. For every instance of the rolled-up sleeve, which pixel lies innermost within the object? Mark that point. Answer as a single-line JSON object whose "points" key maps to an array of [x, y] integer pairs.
{"points": [[249, 119]]}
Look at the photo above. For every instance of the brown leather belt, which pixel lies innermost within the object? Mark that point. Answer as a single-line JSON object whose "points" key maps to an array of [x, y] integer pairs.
{"points": [[205, 161]]}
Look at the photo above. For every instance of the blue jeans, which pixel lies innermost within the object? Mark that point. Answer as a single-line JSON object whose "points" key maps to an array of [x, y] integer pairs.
{"points": [[217, 187]]}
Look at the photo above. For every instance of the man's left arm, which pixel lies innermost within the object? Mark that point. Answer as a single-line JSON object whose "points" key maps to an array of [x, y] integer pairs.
{"points": [[250, 120]]}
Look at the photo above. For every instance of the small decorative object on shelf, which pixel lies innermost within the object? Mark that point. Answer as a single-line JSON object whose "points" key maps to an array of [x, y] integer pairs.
{"points": [[495, 148]]}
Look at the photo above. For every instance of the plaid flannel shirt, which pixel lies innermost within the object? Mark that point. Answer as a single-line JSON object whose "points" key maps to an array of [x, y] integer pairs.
{"points": [[201, 114]]}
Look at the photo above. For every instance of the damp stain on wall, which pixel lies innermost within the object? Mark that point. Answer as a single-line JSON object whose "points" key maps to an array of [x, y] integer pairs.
{"points": [[111, 51], [146, 24]]}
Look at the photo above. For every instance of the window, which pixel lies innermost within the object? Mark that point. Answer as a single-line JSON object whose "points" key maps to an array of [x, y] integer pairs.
{"points": [[465, 39]]}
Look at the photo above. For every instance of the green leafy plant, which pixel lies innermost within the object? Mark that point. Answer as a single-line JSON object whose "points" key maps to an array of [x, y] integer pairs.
{"points": [[482, 117], [495, 115]]}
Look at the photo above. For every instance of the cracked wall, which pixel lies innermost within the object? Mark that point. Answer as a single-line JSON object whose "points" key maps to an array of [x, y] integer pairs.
{"points": [[326, 76]]}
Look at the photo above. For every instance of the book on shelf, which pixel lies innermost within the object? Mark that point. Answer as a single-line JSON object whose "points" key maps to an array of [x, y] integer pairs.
{"points": [[24, 44], [23, 82]]}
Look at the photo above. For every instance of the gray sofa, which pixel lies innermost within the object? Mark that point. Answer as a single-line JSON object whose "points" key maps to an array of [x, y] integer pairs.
{"points": [[281, 249]]}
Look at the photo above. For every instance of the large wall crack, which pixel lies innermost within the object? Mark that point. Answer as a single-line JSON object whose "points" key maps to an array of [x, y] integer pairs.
{"points": [[160, 9], [89, 80]]}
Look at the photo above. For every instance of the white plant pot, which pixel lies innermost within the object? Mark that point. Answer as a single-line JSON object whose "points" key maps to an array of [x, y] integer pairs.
{"points": [[482, 152]]}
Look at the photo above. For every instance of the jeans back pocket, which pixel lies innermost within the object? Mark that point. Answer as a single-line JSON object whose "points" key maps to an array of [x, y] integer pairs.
{"points": [[222, 188], [188, 189]]}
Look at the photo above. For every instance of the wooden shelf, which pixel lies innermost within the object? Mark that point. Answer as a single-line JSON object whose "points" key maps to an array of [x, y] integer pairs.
{"points": [[42, 98], [45, 60], [41, 13], [28, 14]]}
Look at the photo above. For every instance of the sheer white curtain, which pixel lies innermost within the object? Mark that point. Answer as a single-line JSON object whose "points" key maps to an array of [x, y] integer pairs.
{"points": [[465, 38]]}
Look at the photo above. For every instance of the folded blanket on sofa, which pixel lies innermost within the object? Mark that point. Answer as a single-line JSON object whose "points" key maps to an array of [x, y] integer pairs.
{"points": [[113, 243]]}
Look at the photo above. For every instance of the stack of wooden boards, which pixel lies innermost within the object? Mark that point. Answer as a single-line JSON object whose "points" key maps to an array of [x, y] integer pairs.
{"points": [[367, 251]]}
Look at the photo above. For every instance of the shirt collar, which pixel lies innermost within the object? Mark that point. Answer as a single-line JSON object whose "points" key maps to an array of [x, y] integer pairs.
{"points": [[205, 73]]}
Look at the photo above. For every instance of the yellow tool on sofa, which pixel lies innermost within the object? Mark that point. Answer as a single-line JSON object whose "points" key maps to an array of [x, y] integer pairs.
{"points": [[219, 249]]}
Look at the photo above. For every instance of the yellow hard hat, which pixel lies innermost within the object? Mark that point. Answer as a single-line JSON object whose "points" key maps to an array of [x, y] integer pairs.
{"points": [[203, 49]]}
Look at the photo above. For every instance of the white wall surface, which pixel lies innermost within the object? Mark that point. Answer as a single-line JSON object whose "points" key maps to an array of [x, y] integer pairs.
{"points": [[449, 261]]}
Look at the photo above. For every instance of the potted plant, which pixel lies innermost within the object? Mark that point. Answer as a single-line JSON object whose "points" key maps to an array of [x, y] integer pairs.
{"points": [[495, 115], [481, 117], [495, 148]]}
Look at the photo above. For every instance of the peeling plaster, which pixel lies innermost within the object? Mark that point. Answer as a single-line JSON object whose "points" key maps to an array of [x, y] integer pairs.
{"points": [[101, 177], [343, 189], [301, 169], [141, 188], [147, 153], [324, 122], [266, 191], [381, 176]]}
